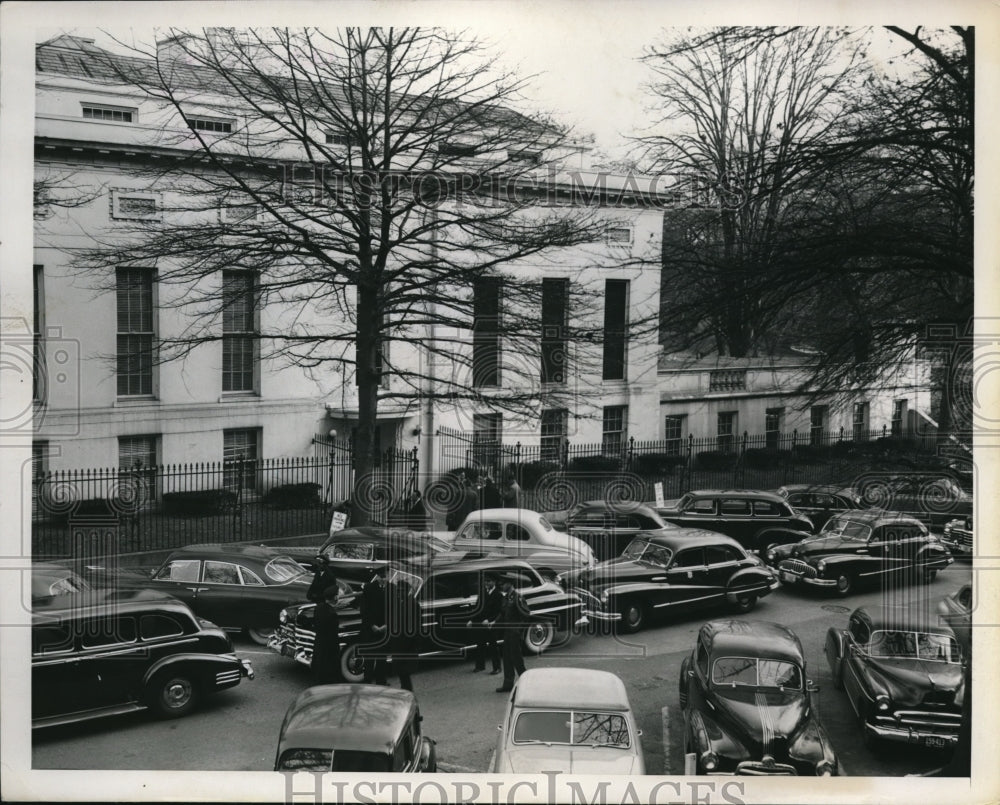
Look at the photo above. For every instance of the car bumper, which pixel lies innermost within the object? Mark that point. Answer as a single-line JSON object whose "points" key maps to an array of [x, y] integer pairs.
{"points": [[788, 577], [246, 669], [912, 735]]}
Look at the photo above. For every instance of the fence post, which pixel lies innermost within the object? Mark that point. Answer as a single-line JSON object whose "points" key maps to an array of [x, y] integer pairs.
{"points": [[518, 471], [688, 468], [631, 453], [565, 455]]}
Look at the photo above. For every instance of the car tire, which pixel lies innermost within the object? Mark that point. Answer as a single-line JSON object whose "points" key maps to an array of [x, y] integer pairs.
{"points": [[633, 616], [682, 694], [844, 585], [352, 667], [260, 634], [745, 602], [538, 636], [173, 694]]}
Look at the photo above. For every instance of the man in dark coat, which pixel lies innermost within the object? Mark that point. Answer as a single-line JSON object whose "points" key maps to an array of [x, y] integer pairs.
{"points": [[405, 619], [489, 495], [487, 611], [374, 639], [323, 577], [513, 619], [326, 648]]}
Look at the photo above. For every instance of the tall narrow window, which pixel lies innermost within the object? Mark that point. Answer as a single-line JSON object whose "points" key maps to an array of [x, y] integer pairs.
{"points": [[673, 433], [39, 458], [554, 309], [817, 424], [38, 378], [772, 427], [726, 431], [240, 451], [239, 331], [486, 355], [135, 331], [615, 325], [487, 433], [613, 432], [137, 461], [860, 422], [898, 416], [554, 430]]}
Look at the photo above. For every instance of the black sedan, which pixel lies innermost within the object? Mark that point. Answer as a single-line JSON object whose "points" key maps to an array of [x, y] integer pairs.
{"points": [[820, 502], [903, 675], [608, 527], [683, 569], [235, 586], [862, 546], [748, 705], [354, 552], [933, 498]]}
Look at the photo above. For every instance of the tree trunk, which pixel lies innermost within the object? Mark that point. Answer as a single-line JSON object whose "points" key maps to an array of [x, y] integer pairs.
{"points": [[365, 493]]}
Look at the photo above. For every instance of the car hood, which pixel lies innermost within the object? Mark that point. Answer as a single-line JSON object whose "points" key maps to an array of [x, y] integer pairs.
{"points": [[617, 571], [908, 681], [821, 546], [764, 720], [538, 758]]}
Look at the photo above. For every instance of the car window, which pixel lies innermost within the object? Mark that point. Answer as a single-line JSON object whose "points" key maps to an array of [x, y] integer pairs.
{"points": [[914, 645], [109, 631], [859, 632], [549, 727], [693, 557], [179, 570], [720, 554], [847, 529], [657, 555], [545, 524], [702, 506], [735, 506], [249, 577], [765, 508], [599, 729], [403, 752], [305, 760], [754, 672], [825, 502], [522, 577], [284, 568], [701, 659], [51, 638], [155, 626], [800, 499], [221, 573], [965, 597], [362, 551], [518, 533], [67, 585], [635, 549]]}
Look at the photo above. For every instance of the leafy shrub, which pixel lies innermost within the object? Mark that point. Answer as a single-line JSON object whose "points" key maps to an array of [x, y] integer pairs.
{"points": [[293, 496], [657, 463], [529, 473], [594, 464], [715, 460], [765, 458], [199, 503]]}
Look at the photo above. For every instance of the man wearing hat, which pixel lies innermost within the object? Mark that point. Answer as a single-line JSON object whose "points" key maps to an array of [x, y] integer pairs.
{"points": [[326, 649], [514, 616], [487, 611], [373, 642]]}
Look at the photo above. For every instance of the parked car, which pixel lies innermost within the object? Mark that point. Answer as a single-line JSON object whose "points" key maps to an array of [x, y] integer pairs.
{"points": [[933, 498], [354, 728], [236, 586], [958, 537], [522, 534], [570, 720], [956, 611], [447, 595], [747, 703], [683, 569], [607, 527], [355, 552], [108, 652], [50, 578], [903, 675], [756, 520], [862, 546], [820, 502]]}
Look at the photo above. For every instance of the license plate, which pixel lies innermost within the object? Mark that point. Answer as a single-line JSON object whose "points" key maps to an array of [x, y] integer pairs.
{"points": [[784, 575], [934, 740]]}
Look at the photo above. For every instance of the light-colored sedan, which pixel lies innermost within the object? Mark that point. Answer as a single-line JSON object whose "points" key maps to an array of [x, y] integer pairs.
{"points": [[571, 720], [526, 535]]}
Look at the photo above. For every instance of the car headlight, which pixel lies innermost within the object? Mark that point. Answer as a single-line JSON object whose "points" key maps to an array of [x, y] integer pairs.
{"points": [[820, 566], [709, 761], [824, 769], [882, 703], [604, 596], [770, 555], [283, 616]]}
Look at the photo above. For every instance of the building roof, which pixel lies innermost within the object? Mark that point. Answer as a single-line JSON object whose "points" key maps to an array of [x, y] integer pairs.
{"points": [[745, 638], [366, 718], [571, 688]]}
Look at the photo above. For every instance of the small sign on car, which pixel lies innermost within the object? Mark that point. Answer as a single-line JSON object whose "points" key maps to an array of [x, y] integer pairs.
{"points": [[658, 491]]}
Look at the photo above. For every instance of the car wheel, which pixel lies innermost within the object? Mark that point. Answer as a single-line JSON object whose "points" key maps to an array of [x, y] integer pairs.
{"points": [[539, 636], [633, 616], [682, 697], [845, 583], [745, 602], [260, 634], [352, 667], [173, 694]]}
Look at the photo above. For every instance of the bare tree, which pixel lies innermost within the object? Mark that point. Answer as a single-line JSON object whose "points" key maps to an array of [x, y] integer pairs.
{"points": [[383, 193]]}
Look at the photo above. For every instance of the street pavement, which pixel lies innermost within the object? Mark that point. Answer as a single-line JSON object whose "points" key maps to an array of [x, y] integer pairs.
{"points": [[238, 729]]}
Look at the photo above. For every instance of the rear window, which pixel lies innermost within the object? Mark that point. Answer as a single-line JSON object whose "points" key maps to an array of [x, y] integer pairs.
{"points": [[162, 625], [179, 570], [847, 529], [108, 632], [330, 760], [579, 728], [282, 569]]}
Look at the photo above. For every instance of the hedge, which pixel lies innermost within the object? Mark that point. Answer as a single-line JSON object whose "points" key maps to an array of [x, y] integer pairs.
{"points": [[198, 504], [657, 463], [293, 496]]}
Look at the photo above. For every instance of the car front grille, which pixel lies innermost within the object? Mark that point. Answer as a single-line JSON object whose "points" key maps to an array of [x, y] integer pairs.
{"points": [[757, 768], [926, 721], [304, 638], [798, 567]]}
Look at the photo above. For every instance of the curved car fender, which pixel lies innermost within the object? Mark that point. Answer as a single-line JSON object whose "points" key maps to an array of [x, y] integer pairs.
{"points": [[811, 743], [834, 647], [782, 536], [200, 659], [628, 588], [708, 735], [751, 576], [839, 559], [934, 555]]}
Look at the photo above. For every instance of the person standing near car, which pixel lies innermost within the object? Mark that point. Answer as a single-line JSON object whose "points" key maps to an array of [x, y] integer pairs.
{"points": [[510, 492], [404, 621], [487, 611], [512, 620], [323, 577], [326, 648], [374, 638]]}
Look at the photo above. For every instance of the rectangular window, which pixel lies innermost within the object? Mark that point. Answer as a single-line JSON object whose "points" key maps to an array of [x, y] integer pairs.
{"points": [[242, 212], [39, 458], [487, 433], [112, 114], [345, 140], [38, 377], [135, 206], [555, 297], [135, 332], [615, 422], [615, 325], [239, 331], [210, 124], [860, 422], [898, 416], [486, 353], [619, 235], [137, 462], [673, 433], [817, 424], [240, 451], [554, 432], [772, 427], [457, 149], [726, 431]]}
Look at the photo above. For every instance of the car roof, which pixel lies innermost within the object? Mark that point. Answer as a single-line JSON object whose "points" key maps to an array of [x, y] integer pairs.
{"points": [[103, 601], [625, 507], [828, 489], [756, 494], [494, 564], [582, 688], [509, 513], [377, 534], [904, 619], [367, 718], [746, 638], [690, 538], [224, 550], [875, 517]]}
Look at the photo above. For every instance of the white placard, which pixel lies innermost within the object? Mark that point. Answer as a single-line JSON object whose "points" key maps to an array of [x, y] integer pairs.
{"points": [[338, 522], [658, 491]]}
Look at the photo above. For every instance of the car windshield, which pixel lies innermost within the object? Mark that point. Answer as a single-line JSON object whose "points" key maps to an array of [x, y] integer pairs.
{"points": [[577, 727], [327, 760], [754, 672], [914, 645], [399, 576], [847, 529], [283, 568], [645, 551], [64, 586]]}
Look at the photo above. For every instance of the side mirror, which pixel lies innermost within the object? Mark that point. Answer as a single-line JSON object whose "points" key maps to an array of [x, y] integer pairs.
{"points": [[690, 673], [812, 687]]}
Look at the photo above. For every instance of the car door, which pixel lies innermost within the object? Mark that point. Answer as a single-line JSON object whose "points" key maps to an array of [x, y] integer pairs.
{"points": [[517, 541], [721, 562], [114, 654], [855, 648], [481, 536], [687, 578], [58, 682], [448, 599], [735, 519], [699, 513], [882, 556], [221, 596], [180, 578]]}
